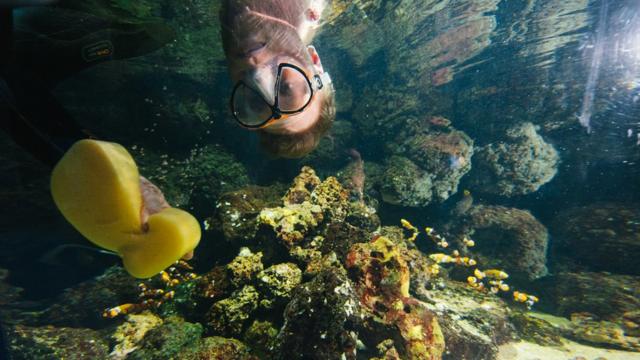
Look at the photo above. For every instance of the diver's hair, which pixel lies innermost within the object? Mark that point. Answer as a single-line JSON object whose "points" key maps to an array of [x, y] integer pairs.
{"points": [[300, 144], [234, 17]]}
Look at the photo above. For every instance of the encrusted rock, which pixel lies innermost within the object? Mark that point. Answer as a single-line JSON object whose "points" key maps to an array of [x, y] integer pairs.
{"points": [[320, 319], [49, 343], [218, 348], [430, 159], [508, 238], [168, 340], [262, 337], [519, 165], [307, 203], [276, 282], [382, 280], [303, 185], [607, 296], [228, 316], [129, 334], [244, 267], [293, 222], [471, 330], [404, 183], [237, 211]]}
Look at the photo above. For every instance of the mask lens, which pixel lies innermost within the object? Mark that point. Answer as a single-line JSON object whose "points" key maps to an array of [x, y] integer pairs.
{"points": [[294, 91], [249, 107]]}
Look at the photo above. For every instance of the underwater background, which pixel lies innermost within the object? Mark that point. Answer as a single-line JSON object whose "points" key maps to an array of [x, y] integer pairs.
{"points": [[478, 196]]}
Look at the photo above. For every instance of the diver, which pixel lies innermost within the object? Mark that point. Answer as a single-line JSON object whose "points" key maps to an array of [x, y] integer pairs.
{"points": [[281, 89]]}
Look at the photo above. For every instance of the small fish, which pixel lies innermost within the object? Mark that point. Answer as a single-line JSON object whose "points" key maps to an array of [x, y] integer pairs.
{"points": [[441, 258], [479, 274], [496, 274], [468, 242]]}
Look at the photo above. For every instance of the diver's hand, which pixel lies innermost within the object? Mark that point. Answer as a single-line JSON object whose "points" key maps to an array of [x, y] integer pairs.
{"points": [[153, 201]]}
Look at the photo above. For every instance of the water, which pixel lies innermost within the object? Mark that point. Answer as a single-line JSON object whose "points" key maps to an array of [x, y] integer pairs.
{"points": [[475, 197]]}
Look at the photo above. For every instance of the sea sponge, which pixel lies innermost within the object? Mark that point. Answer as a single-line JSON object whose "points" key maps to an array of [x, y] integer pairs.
{"points": [[96, 186]]}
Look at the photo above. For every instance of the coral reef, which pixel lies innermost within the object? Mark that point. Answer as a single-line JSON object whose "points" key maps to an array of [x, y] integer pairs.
{"points": [[519, 165], [593, 235], [337, 285]]}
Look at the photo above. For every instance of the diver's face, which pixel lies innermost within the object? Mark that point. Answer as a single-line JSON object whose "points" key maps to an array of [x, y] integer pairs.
{"points": [[254, 57]]}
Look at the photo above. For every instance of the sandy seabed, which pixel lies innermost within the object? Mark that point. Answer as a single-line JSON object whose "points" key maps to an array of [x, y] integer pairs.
{"points": [[571, 350]]}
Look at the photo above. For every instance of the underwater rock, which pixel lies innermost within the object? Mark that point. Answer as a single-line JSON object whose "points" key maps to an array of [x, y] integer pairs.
{"points": [[218, 348], [227, 316], [129, 334], [403, 183], [590, 329], [50, 343], [303, 185], [244, 267], [471, 330], [341, 236], [307, 203], [603, 307], [262, 337], [431, 158], [535, 330], [8, 292], [382, 278], [320, 319], [214, 285], [83, 304], [607, 296], [508, 238], [586, 328], [604, 236], [519, 165], [237, 211], [169, 340], [276, 283], [293, 222]]}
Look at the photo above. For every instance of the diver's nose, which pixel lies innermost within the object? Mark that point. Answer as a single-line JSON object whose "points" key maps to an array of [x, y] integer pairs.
{"points": [[263, 80]]}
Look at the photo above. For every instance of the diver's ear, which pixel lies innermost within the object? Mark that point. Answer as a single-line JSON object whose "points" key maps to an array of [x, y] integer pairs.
{"points": [[315, 59]]}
